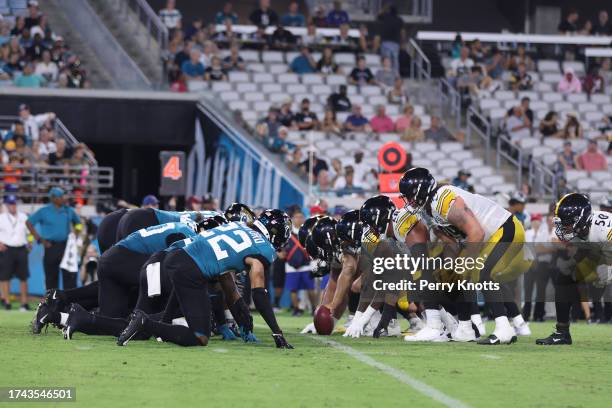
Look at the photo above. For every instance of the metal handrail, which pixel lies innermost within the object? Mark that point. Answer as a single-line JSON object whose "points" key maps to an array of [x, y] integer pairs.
{"points": [[485, 134], [450, 98], [151, 21], [542, 179], [420, 63], [505, 149]]}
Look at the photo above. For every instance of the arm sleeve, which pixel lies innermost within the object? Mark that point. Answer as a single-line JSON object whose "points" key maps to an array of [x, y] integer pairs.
{"points": [[35, 218], [74, 218]]}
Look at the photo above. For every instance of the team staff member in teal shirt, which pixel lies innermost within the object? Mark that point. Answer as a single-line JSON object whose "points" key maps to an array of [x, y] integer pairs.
{"points": [[53, 223]]}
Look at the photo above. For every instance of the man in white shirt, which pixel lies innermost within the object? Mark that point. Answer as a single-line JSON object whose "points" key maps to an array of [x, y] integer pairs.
{"points": [[47, 68], [13, 251], [46, 146], [170, 16], [32, 123], [461, 66], [518, 125]]}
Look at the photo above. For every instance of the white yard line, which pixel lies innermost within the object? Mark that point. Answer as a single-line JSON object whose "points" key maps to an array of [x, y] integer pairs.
{"points": [[399, 375]]}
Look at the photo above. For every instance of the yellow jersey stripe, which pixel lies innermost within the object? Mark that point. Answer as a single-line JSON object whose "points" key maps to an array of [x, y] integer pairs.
{"points": [[610, 235], [439, 205], [446, 203]]}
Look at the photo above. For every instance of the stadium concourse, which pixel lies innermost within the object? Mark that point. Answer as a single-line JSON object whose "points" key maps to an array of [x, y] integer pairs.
{"points": [[316, 203]]}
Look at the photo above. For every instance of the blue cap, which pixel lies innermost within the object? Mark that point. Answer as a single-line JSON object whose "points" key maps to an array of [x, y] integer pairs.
{"points": [[56, 192], [10, 199], [150, 200]]}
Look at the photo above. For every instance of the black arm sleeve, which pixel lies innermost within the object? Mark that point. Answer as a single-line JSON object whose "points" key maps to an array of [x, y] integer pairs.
{"points": [[264, 307], [241, 314]]}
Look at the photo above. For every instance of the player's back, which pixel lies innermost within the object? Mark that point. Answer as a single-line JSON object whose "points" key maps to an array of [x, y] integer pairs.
{"points": [[183, 216], [153, 239], [224, 248]]}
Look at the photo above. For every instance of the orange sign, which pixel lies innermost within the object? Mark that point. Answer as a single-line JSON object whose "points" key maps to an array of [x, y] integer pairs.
{"points": [[389, 182], [392, 157]]}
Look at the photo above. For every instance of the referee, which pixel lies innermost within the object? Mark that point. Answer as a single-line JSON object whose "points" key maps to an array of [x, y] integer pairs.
{"points": [[54, 221], [13, 251]]}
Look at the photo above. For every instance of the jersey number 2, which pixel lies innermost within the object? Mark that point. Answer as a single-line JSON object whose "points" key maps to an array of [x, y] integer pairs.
{"points": [[235, 245]]}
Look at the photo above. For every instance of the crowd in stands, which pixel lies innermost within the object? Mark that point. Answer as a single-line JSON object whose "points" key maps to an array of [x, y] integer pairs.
{"points": [[30, 145], [33, 56]]}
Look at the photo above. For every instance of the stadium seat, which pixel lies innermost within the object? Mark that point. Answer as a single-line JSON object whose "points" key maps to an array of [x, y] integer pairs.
{"points": [[424, 147], [277, 98], [490, 181], [488, 104], [529, 143], [323, 90], [288, 78], [344, 58], [481, 171], [377, 100], [539, 105], [236, 76], [448, 147], [257, 67], [261, 106], [551, 77], [461, 155], [388, 137], [229, 96], [579, 145], [295, 89], [554, 143], [370, 90], [239, 105], [220, 86], [273, 57], [577, 66], [548, 66], [576, 98], [271, 88], [533, 96], [246, 87], [335, 80], [373, 60], [291, 55], [543, 87], [600, 98], [549, 159], [587, 107], [312, 79], [436, 155], [393, 110], [450, 172], [601, 176], [278, 68], [422, 162], [563, 106], [470, 163], [504, 188], [259, 78], [504, 95], [584, 184], [574, 175], [250, 55], [552, 97]]}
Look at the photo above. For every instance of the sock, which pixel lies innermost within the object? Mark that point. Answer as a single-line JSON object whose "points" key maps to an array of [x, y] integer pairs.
{"points": [[387, 314], [353, 302], [63, 318], [228, 315], [277, 301], [465, 324], [512, 309], [518, 320], [217, 305], [502, 323], [263, 306], [563, 312], [497, 309], [563, 327], [476, 319], [181, 335], [434, 319], [103, 326]]}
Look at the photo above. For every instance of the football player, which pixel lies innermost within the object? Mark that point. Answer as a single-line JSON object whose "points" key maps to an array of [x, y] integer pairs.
{"points": [[485, 230], [214, 253], [588, 258]]}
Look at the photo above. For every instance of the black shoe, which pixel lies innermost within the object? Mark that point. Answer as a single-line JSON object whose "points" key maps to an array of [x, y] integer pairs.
{"points": [[76, 316], [56, 300], [297, 312], [134, 327], [558, 337], [492, 340], [6, 305], [24, 308], [40, 321]]}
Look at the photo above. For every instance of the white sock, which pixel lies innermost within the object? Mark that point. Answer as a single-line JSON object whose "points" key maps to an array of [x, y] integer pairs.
{"points": [[476, 319], [63, 318], [466, 324], [228, 314], [433, 318], [502, 323], [518, 320]]}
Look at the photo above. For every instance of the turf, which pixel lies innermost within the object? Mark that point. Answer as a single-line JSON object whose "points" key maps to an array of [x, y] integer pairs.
{"points": [[151, 374]]}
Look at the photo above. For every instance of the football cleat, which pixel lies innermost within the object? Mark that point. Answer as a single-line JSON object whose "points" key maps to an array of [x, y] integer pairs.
{"points": [[492, 339], [76, 315], [394, 329], [416, 324], [135, 326], [428, 333], [464, 332], [557, 338], [39, 322]]}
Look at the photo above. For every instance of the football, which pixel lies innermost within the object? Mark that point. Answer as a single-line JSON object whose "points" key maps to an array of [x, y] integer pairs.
{"points": [[323, 321]]}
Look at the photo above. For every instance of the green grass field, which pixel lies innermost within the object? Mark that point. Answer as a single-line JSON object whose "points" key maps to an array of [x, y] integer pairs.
{"points": [[314, 374]]}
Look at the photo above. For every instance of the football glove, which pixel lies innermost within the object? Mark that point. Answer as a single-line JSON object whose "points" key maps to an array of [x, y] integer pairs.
{"points": [[247, 335], [226, 332], [309, 329], [280, 341]]}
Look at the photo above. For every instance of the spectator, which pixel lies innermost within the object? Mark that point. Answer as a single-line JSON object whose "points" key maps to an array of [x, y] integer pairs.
{"points": [[495, 64], [208, 52], [171, 16], [264, 15], [13, 252], [285, 116], [226, 14], [356, 122], [569, 83], [209, 203], [35, 50], [438, 133], [150, 201], [279, 143], [293, 18], [46, 145], [403, 122], [318, 18], [339, 101], [283, 38], [32, 123], [260, 37], [381, 123], [361, 75], [193, 68], [318, 164], [391, 26], [592, 159], [346, 184], [570, 24], [194, 203], [477, 53], [337, 16], [322, 184], [298, 267], [304, 63], [397, 95], [518, 125], [215, 71], [29, 79], [268, 127], [311, 37], [516, 206], [594, 82], [521, 56], [54, 221], [548, 125], [414, 133], [62, 153], [461, 180], [456, 46], [573, 128], [336, 171], [461, 66], [34, 16], [525, 106], [196, 27], [602, 26], [184, 54], [567, 158], [47, 68], [326, 64], [234, 62], [474, 82], [305, 119], [330, 123], [587, 28], [386, 75], [225, 36], [343, 39], [520, 80]]}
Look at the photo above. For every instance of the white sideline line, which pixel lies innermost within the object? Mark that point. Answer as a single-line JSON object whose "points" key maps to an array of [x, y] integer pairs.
{"points": [[399, 375]]}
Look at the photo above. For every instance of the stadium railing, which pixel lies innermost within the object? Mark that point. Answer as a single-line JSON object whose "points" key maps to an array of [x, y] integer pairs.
{"points": [[421, 66], [450, 100], [149, 19], [448, 36], [480, 126]]}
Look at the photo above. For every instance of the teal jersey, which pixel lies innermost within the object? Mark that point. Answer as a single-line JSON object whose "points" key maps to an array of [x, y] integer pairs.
{"points": [[224, 248], [164, 217], [153, 239]]}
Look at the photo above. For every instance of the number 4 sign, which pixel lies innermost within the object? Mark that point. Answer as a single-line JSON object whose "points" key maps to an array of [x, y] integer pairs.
{"points": [[172, 173]]}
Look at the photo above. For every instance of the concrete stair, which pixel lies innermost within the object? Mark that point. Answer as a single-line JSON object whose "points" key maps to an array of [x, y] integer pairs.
{"points": [[133, 37], [96, 73]]}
